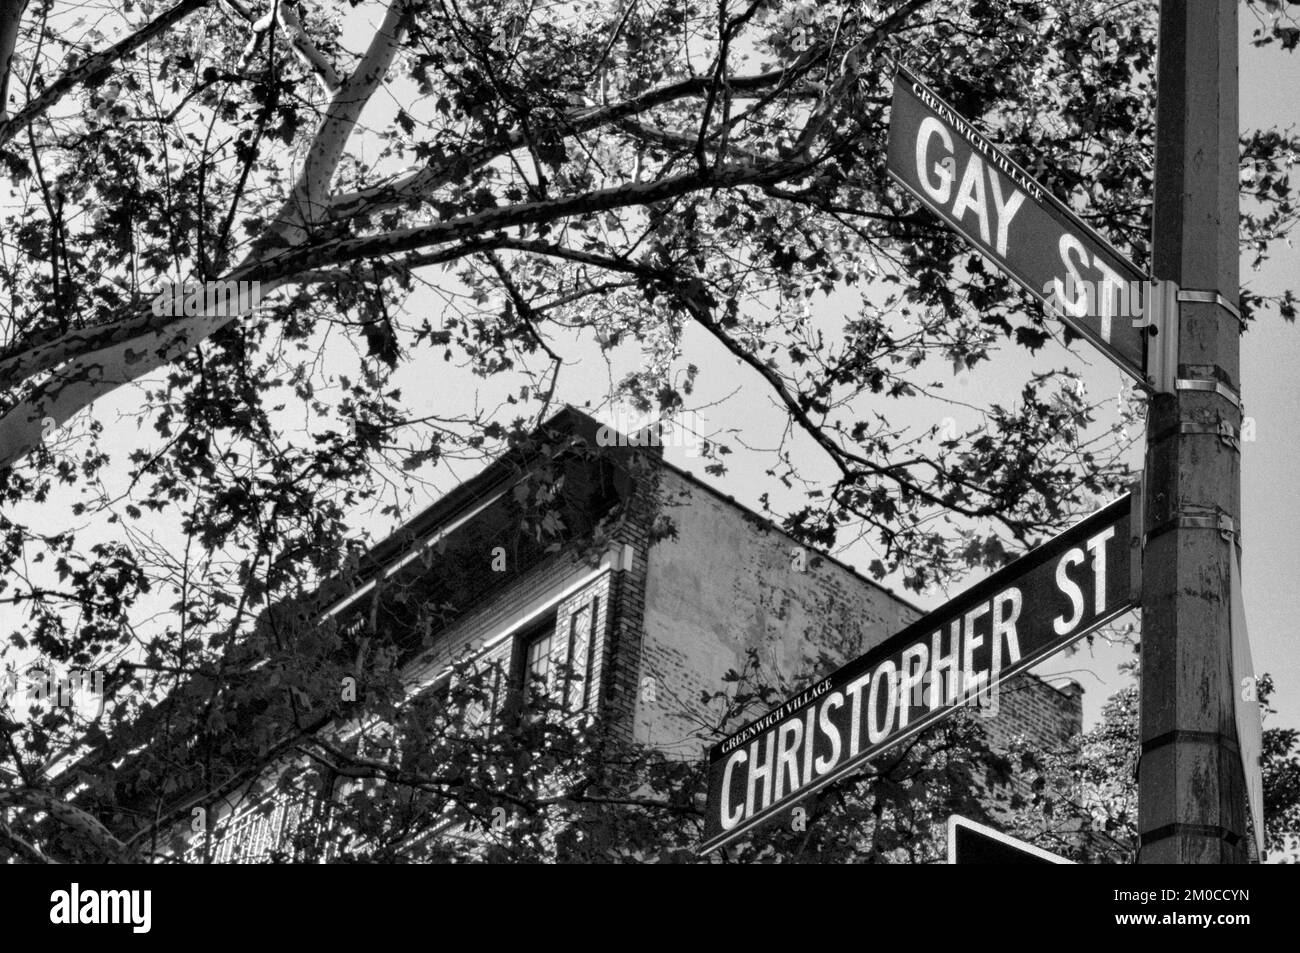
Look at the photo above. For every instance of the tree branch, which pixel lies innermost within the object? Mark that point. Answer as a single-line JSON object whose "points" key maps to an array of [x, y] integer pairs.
{"points": [[307, 51], [444, 171], [144, 341], [67, 815], [307, 202], [21, 847], [686, 141], [690, 294], [11, 18], [838, 90], [97, 360], [521, 214], [95, 65]]}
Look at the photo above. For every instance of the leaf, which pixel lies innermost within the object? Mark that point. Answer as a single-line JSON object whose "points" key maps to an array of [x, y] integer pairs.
{"points": [[381, 340], [1031, 338]]}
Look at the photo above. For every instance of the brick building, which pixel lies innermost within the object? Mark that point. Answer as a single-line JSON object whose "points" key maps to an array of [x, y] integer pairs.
{"points": [[652, 589]]}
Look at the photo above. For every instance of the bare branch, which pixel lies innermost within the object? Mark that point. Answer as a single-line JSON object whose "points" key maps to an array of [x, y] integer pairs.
{"points": [[522, 307]]}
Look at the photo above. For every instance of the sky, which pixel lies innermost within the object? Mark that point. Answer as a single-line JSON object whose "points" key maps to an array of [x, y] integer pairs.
{"points": [[727, 395]]}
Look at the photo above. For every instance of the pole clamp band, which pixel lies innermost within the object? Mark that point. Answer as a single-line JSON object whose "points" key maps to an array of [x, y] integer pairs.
{"points": [[1213, 831], [1225, 431], [1187, 735], [1222, 522], [1210, 297], [1218, 387]]}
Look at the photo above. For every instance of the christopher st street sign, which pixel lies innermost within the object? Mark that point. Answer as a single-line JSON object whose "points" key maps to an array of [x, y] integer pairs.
{"points": [[1037, 605], [1016, 223]]}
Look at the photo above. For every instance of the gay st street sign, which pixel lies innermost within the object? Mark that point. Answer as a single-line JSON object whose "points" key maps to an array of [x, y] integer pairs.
{"points": [[1031, 608], [1016, 223]]}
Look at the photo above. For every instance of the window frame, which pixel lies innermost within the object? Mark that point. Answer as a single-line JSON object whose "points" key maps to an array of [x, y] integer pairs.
{"points": [[572, 698], [583, 682]]}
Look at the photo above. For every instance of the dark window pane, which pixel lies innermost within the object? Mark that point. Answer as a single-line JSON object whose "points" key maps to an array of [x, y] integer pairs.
{"points": [[539, 665]]}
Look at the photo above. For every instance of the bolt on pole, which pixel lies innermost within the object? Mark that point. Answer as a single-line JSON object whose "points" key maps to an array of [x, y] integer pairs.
{"points": [[1191, 790]]}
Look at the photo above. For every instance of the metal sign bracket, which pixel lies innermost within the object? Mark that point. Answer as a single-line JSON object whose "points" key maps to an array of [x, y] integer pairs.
{"points": [[1161, 312], [1137, 535], [1160, 315]]}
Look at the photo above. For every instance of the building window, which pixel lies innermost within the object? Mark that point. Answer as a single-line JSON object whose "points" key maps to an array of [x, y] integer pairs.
{"points": [[543, 665], [470, 696], [556, 659], [479, 714], [575, 695], [252, 834]]}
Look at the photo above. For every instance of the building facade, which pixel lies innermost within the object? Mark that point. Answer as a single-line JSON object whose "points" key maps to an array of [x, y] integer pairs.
{"points": [[650, 590]]}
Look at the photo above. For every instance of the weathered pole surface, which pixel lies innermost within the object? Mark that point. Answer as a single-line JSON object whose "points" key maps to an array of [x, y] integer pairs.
{"points": [[1191, 804]]}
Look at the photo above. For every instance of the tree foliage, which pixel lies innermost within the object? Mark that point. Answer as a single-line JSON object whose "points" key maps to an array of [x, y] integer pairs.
{"points": [[1082, 800], [468, 189]]}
